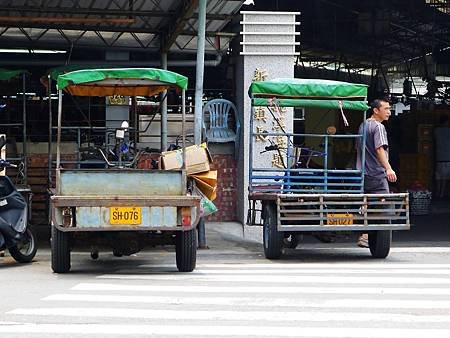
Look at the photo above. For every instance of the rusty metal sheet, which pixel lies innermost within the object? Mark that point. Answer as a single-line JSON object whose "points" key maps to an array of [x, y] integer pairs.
{"points": [[120, 183], [96, 201]]}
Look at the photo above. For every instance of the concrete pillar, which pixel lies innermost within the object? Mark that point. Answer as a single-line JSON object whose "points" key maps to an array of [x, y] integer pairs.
{"points": [[200, 68], [268, 40]]}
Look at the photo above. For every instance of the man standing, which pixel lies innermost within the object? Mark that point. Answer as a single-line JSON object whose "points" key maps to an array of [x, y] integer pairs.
{"points": [[377, 169]]}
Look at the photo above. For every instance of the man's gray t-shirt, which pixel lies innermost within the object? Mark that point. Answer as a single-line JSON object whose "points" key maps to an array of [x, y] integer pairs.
{"points": [[376, 137]]}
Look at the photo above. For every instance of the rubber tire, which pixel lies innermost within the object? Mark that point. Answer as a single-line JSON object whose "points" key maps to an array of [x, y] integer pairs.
{"points": [[28, 257], [186, 250], [380, 243], [60, 250], [272, 238]]}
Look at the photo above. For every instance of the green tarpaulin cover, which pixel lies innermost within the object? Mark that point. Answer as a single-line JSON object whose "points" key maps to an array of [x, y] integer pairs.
{"points": [[57, 71], [307, 88], [8, 74], [309, 93], [119, 81]]}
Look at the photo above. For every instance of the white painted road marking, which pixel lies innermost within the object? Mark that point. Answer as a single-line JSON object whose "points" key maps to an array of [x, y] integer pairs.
{"points": [[105, 287], [277, 316], [263, 301], [320, 279]]}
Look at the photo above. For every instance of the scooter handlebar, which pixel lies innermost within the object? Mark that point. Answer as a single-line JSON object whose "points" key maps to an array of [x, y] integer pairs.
{"points": [[5, 164]]}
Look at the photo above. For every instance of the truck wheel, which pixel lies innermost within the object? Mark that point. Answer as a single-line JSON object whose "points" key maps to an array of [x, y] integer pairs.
{"points": [[272, 238], [380, 243], [25, 251], [186, 250], [60, 251]]}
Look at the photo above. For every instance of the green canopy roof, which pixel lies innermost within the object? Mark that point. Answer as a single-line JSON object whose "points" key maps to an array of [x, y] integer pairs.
{"points": [[120, 81], [307, 88], [8, 74], [57, 71], [309, 93]]}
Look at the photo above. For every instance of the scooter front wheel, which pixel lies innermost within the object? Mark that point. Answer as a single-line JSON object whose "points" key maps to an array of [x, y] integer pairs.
{"points": [[25, 250]]}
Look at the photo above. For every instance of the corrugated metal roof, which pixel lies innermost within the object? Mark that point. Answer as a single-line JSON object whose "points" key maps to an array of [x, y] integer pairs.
{"points": [[112, 24]]}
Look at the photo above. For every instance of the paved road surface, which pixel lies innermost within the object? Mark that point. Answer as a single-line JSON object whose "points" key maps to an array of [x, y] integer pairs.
{"points": [[316, 291]]}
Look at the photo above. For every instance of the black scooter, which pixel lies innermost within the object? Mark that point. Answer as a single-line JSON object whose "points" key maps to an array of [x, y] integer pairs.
{"points": [[15, 234]]}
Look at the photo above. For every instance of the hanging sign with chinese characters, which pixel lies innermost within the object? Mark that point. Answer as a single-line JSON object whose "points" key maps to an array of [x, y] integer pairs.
{"points": [[117, 100]]}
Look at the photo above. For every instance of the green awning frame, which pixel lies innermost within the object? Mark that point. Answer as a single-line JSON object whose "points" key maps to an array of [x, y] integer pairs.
{"points": [[120, 81], [328, 104]]}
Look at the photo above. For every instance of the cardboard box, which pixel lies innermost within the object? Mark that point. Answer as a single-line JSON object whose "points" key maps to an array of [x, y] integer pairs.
{"points": [[207, 183], [197, 159]]}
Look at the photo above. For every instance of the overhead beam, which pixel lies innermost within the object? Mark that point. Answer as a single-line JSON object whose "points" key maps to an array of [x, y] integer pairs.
{"points": [[185, 13], [96, 28], [104, 12], [85, 11], [15, 43], [79, 27], [45, 20]]}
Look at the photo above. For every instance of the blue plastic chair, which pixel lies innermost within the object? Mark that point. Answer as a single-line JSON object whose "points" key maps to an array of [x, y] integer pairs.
{"points": [[217, 116]]}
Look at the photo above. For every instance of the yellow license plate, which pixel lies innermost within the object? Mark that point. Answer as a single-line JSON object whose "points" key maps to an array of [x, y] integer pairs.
{"points": [[340, 219], [125, 215]]}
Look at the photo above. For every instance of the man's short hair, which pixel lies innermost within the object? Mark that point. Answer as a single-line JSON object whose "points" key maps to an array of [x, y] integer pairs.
{"points": [[377, 103]]}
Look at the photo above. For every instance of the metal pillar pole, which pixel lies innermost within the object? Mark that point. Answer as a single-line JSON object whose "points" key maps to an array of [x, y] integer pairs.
{"points": [[24, 131], [163, 97], [198, 116], [199, 71], [58, 141], [50, 131]]}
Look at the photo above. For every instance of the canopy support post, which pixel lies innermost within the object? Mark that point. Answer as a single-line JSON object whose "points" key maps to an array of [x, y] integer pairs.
{"points": [[163, 98], [58, 141]]}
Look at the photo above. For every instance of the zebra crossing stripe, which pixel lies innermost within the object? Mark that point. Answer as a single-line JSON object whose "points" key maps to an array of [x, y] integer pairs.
{"points": [[370, 264], [221, 331], [308, 271], [263, 301], [105, 287], [271, 316], [320, 279]]}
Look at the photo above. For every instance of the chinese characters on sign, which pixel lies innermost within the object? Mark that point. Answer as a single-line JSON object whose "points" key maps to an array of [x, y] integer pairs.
{"points": [[117, 100], [277, 123]]}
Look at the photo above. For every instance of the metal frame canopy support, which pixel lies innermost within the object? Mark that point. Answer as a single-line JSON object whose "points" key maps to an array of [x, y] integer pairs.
{"points": [[126, 81]]}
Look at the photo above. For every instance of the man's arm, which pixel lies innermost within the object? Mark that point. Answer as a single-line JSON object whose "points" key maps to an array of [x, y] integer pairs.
{"points": [[382, 158]]}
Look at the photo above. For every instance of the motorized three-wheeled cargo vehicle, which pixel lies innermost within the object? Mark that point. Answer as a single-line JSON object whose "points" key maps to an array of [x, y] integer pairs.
{"points": [[119, 204], [305, 189]]}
